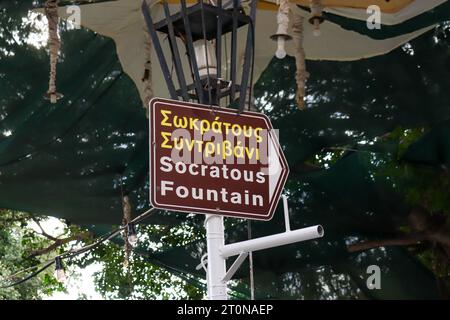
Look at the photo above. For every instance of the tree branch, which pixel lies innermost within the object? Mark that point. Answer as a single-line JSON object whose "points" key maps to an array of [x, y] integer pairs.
{"points": [[59, 242], [45, 234], [402, 241], [425, 228]]}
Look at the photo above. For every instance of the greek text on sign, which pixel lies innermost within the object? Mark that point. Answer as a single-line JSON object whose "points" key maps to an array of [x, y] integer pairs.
{"points": [[214, 161]]}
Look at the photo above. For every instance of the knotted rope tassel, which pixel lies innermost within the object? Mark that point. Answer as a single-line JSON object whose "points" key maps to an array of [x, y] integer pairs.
{"points": [[316, 15], [51, 12], [126, 207], [284, 8], [147, 77], [301, 74], [283, 17]]}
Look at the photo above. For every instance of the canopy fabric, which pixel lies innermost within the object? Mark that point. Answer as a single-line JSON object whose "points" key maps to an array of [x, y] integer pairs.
{"points": [[74, 159], [424, 20], [391, 8], [123, 22], [390, 17]]}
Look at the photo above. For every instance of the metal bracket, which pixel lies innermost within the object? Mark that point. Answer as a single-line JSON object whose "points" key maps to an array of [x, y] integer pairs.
{"points": [[286, 213], [243, 255], [235, 266], [203, 263], [275, 240], [216, 274]]}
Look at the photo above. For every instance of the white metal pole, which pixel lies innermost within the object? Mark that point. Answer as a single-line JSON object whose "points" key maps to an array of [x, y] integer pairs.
{"points": [[272, 241], [215, 240], [286, 213]]}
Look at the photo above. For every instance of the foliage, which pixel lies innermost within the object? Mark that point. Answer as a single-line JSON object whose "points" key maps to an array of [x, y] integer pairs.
{"points": [[138, 278], [421, 185], [17, 240]]}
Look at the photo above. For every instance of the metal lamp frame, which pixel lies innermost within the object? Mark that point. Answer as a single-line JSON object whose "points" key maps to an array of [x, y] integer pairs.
{"points": [[181, 25]]}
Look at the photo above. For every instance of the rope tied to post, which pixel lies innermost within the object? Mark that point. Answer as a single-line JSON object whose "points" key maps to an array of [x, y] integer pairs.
{"points": [[301, 75], [51, 12]]}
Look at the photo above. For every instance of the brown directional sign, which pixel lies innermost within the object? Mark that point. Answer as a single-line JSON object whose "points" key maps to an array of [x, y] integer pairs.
{"points": [[212, 160]]}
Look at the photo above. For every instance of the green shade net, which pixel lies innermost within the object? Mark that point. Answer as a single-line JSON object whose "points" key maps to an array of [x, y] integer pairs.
{"points": [[76, 158], [433, 149]]}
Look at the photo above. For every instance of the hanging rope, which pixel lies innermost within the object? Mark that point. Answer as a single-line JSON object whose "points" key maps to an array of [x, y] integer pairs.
{"points": [[301, 74], [147, 77], [51, 12], [316, 7], [282, 31], [316, 15], [126, 206], [283, 14]]}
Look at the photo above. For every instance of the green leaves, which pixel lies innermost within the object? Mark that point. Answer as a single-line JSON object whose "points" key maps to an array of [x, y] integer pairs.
{"points": [[16, 241]]}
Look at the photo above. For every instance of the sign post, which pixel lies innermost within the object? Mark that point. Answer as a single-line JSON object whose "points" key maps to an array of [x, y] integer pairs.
{"points": [[216, 268], [214, 161]]}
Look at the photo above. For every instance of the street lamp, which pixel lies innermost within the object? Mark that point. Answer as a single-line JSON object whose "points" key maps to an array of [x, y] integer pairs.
{"points": [[201, 28]]}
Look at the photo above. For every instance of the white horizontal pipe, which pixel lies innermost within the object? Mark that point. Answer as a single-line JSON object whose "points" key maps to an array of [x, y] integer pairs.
{"points": [[275, 240]]}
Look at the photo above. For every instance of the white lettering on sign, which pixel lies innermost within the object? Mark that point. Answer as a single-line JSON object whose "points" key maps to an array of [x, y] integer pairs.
{"points": [[214, 195]]}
